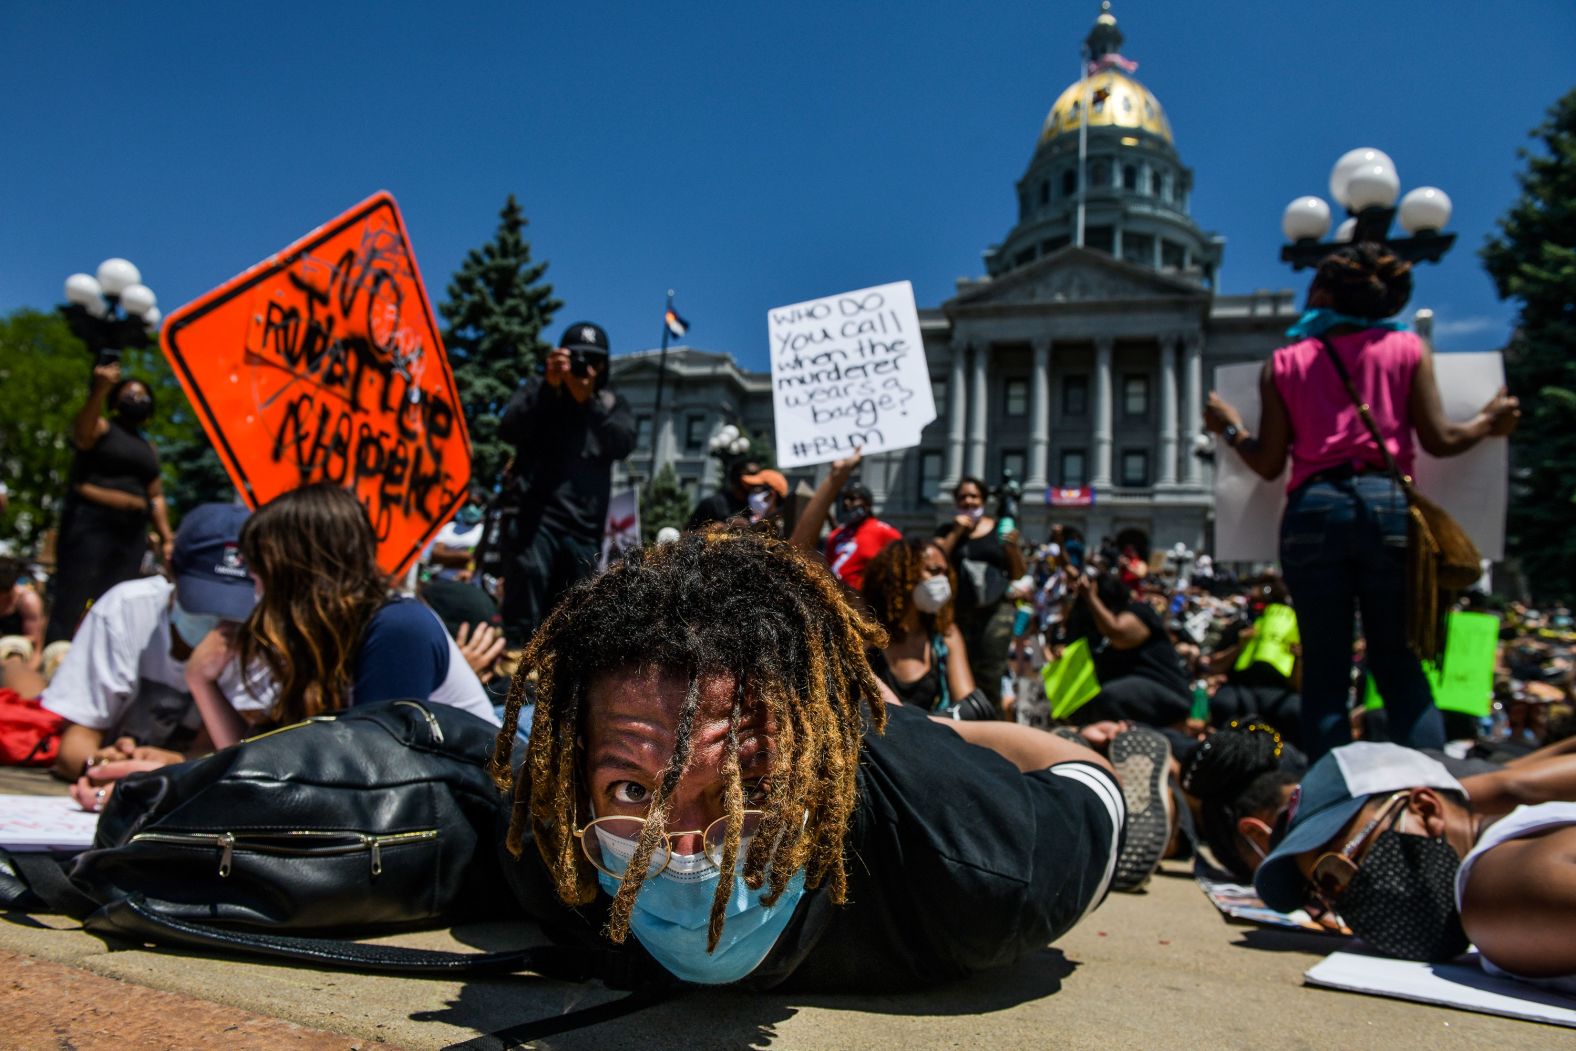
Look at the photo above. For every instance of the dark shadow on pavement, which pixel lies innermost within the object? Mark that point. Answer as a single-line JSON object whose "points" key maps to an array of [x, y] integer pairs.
{"points": [[1270, 939], [513, 1012]]}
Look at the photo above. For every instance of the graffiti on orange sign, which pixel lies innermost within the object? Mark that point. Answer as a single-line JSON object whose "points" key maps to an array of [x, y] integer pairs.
{"points": [[324, 364]]}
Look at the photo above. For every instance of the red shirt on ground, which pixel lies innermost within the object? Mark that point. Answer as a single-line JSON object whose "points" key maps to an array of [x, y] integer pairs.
{"points": [[850, 548]]}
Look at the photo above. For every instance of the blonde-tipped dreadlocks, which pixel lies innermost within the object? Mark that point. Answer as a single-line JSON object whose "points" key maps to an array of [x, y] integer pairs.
{"points": [[744, 606]]}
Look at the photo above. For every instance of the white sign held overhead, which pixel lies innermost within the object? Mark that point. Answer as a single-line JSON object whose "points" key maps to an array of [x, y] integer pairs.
{"points": [[1473, 487], [621, 531], [848, 372]]}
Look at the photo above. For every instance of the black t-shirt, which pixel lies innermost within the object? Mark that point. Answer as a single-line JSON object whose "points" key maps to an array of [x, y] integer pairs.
{"points": [[956, 863], [1155, 659], [121, 459], [564, 455], [924, 692]]}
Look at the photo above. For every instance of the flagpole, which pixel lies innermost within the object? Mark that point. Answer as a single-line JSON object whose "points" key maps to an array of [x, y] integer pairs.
{"points": [[1083, 142], [662, 373]]}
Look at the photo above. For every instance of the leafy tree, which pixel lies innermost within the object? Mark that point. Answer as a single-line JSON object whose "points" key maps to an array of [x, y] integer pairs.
{"points": [[45, 372], [663, 502], [496, 310], [1533, 259]]}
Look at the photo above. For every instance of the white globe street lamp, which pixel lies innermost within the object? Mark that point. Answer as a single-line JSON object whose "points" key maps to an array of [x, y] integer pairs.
{"points": [[1425, 210], [113, 310], [1364, 183]]}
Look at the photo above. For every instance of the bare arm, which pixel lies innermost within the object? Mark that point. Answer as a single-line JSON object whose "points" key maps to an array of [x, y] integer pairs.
{"points": [[1501, 791], [161, 518], [90, 424], [31, 607], [203, 668], [1264, 452], [807, 530], [1026, 747], [1440, 436], [960, 679], [77, 745], [1124, 629]]}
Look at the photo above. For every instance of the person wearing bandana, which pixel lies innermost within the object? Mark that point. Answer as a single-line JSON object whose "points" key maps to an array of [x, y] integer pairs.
{"points": [[1386, 837], [114, 492]]}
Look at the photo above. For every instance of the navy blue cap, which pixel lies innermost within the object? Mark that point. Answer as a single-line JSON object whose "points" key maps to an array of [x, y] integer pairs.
{"points": [[585, 335], [210, 577], [1332, 792]]}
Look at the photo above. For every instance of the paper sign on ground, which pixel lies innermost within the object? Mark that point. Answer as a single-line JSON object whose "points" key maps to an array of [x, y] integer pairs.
{"points": [[1472, 486], [621, 531], [1274, 634], [1461, 985], [848, 372], [324, 363], [1070, 681], [53, 823]]}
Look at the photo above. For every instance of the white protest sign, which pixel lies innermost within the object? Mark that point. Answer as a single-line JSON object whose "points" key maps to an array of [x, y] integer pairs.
{"points": [[1473, 487], [621, 531], [848, 371]]}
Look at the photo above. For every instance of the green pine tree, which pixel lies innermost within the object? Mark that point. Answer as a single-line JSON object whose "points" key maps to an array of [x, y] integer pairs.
{"points": [[496, 310], [1533, 259], [663, 502]]}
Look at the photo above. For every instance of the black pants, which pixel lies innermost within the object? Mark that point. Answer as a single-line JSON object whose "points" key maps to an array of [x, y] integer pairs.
{"points": [[541, 563], [98, 548], [1136, 699], [1280, 706]]}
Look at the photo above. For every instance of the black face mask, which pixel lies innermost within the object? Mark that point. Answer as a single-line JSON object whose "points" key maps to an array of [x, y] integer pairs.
{"points": [[1402, 900], [851, 516], [134, 410]]}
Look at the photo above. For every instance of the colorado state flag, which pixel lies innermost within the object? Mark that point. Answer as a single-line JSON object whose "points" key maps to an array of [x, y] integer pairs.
{"points": [[676, 325]]}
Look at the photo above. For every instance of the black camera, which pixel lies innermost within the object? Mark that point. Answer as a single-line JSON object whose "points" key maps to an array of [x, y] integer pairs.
{"points": [[107, 356], [580, 363]]}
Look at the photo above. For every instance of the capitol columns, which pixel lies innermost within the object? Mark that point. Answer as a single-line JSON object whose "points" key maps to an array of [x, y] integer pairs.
{"points": [[979, 408], [1169, 438], [1039, 414], [957, 411], [1192, 404], [1102, 412]]}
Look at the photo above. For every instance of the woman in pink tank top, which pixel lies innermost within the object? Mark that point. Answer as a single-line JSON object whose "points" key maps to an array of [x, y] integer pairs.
{"points": [[1343, 534]]}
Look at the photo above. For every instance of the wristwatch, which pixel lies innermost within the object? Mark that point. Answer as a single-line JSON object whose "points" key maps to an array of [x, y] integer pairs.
{"points": [[1231, 433]]}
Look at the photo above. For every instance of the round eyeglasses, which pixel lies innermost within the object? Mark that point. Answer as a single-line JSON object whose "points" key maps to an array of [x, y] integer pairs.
{"points": [[609, 844]]}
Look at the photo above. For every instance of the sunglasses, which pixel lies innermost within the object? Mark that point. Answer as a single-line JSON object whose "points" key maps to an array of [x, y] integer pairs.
{"points": [[1334, 870]]}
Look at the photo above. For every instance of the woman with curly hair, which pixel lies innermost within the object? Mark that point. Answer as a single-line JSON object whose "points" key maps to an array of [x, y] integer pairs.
{"points": [[1344, 530], [712, 767], [909, 587], [326, 632]]}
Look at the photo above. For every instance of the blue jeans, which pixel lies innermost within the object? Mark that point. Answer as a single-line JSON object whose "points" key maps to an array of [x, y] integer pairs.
{"points": [[1343, 547]]}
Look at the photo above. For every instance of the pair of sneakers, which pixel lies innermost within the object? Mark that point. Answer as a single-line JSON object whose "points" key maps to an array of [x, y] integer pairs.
{"points": [[1142, 760]]}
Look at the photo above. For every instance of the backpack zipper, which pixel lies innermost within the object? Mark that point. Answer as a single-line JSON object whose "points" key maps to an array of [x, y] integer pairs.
{"points": [[432, 720], [297, 843]]}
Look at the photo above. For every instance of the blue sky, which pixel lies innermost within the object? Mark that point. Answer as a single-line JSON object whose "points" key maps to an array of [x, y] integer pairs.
{"points": [[748, 155]]}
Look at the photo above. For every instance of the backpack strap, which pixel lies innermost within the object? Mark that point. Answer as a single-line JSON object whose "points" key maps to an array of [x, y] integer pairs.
{"points": [[938, 647]]}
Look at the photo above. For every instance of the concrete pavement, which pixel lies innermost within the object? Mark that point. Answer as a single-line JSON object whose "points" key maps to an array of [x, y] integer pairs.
{"points": [[1157, 969]]}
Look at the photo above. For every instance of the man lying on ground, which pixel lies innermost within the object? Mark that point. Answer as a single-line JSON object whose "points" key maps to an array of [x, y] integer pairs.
{"points": [[714, 768], [122, 685], [1386, 836]]}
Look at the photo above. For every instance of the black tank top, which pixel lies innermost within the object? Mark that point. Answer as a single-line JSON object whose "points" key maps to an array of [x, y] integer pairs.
{"points": [[121, 459], [924, 692]]}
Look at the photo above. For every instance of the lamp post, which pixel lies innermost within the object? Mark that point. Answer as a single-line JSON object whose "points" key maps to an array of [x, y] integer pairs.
{"points": [[1365, 184], [112, 311]]}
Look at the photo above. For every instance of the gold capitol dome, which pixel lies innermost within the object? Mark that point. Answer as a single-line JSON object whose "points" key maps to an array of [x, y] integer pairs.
{"points": [[1116, 98]]}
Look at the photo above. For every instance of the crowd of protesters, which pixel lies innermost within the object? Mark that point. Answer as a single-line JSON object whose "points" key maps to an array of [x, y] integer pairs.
{"points": [[800, 682]]}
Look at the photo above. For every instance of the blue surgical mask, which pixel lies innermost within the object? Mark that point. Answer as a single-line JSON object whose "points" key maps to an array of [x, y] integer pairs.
{"points": [[469, 515], [191, 627], [673, 911]]}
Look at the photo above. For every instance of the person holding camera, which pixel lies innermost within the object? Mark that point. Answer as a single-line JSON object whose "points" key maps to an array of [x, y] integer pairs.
{"points": [[113, 492], [568, 430]]}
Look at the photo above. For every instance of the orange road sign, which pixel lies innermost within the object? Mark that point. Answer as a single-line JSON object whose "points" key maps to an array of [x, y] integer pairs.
{"points": [[324, 363]]}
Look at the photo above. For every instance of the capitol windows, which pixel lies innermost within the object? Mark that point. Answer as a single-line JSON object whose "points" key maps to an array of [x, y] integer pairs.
{"points": [[1138, 248], [1015, 396], [1100, 238], [1154, 184], [1014, 462], [1135, 395], [695, 434], [1135, 468], [1172, 255], [938, 392], [1130, 177], [1100, 174], [929, 476], [642, 432], [1075, 395], [1074, 469], [1069, 182], [1045, 193]]}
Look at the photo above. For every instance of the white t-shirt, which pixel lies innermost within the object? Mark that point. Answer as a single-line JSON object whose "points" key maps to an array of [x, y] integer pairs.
{"points": [[1519, 823], [119, 677]]}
